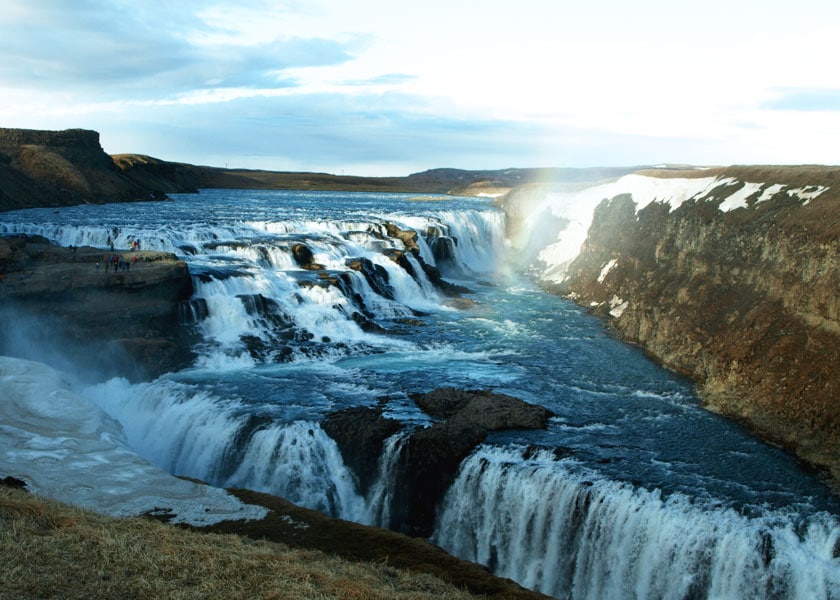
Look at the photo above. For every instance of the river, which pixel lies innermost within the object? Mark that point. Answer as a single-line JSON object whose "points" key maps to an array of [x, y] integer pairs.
{"points": [[633, 491]]}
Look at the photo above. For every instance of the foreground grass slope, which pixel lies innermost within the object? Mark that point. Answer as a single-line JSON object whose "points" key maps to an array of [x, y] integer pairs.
{"points": [[50, 550]]}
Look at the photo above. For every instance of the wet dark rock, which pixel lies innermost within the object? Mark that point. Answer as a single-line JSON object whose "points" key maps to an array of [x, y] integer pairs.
{"points": [[367, 325], [431, 457], [407, 236], [434, 275], [13, 482], [305, 258], [443, 248], [375, 275], [360, 433]]}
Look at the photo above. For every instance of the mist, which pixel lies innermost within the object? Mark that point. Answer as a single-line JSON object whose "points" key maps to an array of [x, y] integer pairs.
{"points": [[46, 340]]}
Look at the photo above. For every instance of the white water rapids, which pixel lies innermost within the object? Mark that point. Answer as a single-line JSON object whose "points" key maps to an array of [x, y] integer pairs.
{"points": [[633, 491]]}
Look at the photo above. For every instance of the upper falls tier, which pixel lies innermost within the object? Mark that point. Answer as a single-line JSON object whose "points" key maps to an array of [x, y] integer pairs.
{"points": [[730, 276]]}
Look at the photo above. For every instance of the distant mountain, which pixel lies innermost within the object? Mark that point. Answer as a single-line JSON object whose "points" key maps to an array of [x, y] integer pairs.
{"points": [[440, 181], [63, 168]]}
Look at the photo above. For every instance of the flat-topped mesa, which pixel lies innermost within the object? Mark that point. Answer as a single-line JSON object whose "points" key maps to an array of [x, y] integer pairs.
{"points": [[63, 168], [114, 322], [10, 139]]}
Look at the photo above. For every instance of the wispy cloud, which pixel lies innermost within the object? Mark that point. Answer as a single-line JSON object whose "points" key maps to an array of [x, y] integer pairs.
{"points": [[806, 100], [366, 85], [110, 47]]}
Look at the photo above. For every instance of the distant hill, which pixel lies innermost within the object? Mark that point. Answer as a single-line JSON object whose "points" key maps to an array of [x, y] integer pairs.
{"points": [[440, 181], [62, 168], [59, 168]]}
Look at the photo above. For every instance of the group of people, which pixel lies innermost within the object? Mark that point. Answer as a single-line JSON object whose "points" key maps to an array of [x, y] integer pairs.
{"points": [[118, 262], [135, 244]]}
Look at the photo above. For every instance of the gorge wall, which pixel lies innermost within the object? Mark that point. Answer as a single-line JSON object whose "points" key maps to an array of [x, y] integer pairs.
{"points": [[730, 276]]}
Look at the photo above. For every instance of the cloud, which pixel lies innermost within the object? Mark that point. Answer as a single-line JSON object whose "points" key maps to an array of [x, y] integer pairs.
{"points": [[386, 79], [806, 100], [365, 134], [113, 48]]}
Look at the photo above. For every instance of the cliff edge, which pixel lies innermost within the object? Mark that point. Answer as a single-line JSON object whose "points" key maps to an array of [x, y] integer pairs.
{"points": [[64, 168], [108, 321], [728, 275]]}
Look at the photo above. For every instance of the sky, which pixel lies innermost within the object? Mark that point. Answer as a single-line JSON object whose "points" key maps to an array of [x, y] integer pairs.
{"points": [[375, 87]]}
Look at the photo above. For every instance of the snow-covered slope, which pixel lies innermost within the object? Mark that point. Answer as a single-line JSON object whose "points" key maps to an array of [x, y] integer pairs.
{"points": [[552, 234], [67, 448]]}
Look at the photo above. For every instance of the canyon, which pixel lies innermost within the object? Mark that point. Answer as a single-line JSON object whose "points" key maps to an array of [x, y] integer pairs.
{"points": [[729, 276]]}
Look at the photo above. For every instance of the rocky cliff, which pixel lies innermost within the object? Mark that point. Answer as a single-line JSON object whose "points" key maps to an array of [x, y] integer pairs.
{"points": [[428, 461], [730, 276], [58, 306], [63, 168]]}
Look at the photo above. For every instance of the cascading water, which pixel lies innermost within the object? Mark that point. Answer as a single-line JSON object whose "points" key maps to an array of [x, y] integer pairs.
{"points": [[570, 533], [304, 305], [378, 502]]}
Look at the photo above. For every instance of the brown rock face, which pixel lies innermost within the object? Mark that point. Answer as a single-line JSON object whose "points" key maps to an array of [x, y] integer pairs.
{"points": [[55, 301], [430, 458], [58, 168], [62, 168], [745, 302]]}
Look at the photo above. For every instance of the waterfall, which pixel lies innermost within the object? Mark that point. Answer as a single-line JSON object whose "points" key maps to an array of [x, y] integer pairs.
{"points": [[378, 511], [305, 305], [571, 534], [191, 432], [261, 306]]}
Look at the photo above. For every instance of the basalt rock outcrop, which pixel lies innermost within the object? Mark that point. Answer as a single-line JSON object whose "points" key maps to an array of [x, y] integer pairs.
{"points": [[739, 288], [360, 433], [57, 304], [429, 459], [63, 168]]}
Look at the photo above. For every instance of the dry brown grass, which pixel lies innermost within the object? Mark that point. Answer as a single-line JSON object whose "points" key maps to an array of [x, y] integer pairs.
{"points": [[49, 550]]}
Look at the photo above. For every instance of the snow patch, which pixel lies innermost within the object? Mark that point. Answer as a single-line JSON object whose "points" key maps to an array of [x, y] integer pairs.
{"points": [[66, 448], [553, 233], [807, 193], [739, 198], [557, 227], [769, 192], [618, 306], [609, 266]]}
